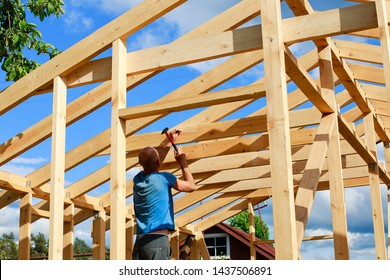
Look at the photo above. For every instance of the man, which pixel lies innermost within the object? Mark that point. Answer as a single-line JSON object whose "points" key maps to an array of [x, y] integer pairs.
{"points": [[153, 202]]}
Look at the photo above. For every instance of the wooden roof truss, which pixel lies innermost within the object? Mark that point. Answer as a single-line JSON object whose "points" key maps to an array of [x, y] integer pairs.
{"points": [[304, 140]]}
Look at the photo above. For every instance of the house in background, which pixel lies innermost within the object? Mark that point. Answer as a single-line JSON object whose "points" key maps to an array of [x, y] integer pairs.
{"points": [[225, 241]]}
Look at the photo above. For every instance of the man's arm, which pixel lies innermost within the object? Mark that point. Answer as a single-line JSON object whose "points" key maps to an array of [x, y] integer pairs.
{"points": [[163, 151], [188, 183]]}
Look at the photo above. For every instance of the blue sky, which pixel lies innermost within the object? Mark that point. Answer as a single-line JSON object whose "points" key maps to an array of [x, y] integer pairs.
{"points": [[84, 17]]}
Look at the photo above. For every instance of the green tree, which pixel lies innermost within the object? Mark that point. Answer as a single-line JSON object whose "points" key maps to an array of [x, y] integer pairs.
{"points": [[8, 248], [18, 35], [241, 221], [39, 245], [80, 247]]}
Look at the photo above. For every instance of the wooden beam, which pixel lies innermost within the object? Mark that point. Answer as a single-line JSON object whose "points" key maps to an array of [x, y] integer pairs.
{"points": [[386, 148], [225, 213], [367, 73], [99, 236], [227, 20], [209, 207], [123, 26], [40, 131], [329, 23], [130, 232], [347, 79], [359, 51], [68, 232], [178, 53], [224, 96], [382, 14], [306, 83], [279, 134], [375, 193], [252, 231], [300, 7], [197, 86], [25, 227], [335, 167], [174, 243], [225, 129], [118, 154], [202, 84], [57, 193], [313, 169], [201, 244], [101, 94]]}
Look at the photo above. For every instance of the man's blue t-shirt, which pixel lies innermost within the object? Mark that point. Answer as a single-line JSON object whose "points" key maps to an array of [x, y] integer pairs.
{"points": [[153, 203]]}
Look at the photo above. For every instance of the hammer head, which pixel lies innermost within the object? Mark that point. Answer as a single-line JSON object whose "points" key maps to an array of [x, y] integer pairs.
{"points": [[165, 130]]}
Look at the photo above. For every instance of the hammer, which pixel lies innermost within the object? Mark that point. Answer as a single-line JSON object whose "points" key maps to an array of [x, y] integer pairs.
{"points": [[165, 131]]}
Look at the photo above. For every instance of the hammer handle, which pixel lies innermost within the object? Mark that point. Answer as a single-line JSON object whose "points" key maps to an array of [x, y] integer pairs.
{"points": [[170, 140]]}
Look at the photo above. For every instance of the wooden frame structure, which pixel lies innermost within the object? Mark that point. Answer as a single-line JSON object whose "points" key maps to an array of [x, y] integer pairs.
{"points": [[282, 150]]}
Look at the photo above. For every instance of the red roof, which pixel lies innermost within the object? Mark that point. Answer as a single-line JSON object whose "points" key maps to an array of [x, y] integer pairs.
{"points": [[266, 250]]}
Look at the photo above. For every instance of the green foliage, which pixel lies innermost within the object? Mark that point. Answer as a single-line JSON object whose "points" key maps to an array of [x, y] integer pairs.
{"points": [[39, 245], [241, 221], [80, 247], [8, 248], [17, 35]]}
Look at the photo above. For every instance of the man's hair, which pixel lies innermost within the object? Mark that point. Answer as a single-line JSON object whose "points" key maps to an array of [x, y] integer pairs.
{"points": [[149, 158]]}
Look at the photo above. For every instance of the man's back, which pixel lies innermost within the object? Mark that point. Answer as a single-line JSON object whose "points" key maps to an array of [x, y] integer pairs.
{"points": [[153, 203]]}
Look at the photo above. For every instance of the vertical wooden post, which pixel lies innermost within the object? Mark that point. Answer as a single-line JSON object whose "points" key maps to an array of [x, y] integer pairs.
{"points": [[194, 252], [174, 242], [386, 147], [279, 134], [335, 169], [118, 153], [99, 236], [252, 230], [375, 192], [68, 232], [25, 226], [388, 223], [385, 43], [57, 170], [201, 245], [130, 239]]}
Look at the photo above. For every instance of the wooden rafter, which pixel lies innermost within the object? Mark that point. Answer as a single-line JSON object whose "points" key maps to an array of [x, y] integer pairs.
{"points": [[320, 137]]}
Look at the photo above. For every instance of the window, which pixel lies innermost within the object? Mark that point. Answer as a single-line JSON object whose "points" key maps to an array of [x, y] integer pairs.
{"points": [[218, 245]]}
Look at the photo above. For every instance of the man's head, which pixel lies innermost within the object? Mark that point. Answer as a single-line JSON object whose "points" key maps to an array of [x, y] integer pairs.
{"points": [[149, 159]]}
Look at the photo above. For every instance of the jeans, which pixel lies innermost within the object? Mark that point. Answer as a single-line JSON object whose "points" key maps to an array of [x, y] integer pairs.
{"points": [[152, 247]]}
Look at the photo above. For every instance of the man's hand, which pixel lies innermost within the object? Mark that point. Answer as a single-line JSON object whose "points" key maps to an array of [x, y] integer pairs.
{"points": [[188, 184], [181, 158], [175, 134]]}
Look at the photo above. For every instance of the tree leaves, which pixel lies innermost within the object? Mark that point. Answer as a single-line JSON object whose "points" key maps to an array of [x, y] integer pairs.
{"points": [[8, 247], [241, 221], [18, 35]]}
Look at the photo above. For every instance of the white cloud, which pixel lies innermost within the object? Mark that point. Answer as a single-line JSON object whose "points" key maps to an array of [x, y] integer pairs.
{"points": [[355, 198], [17, 169], [29, 161], [205, 66], [9, 220], [41, 226], [22, 166], [82, 234], [117, 7], [299, 49], [77, 21], [193, 13], [150, 37]]}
